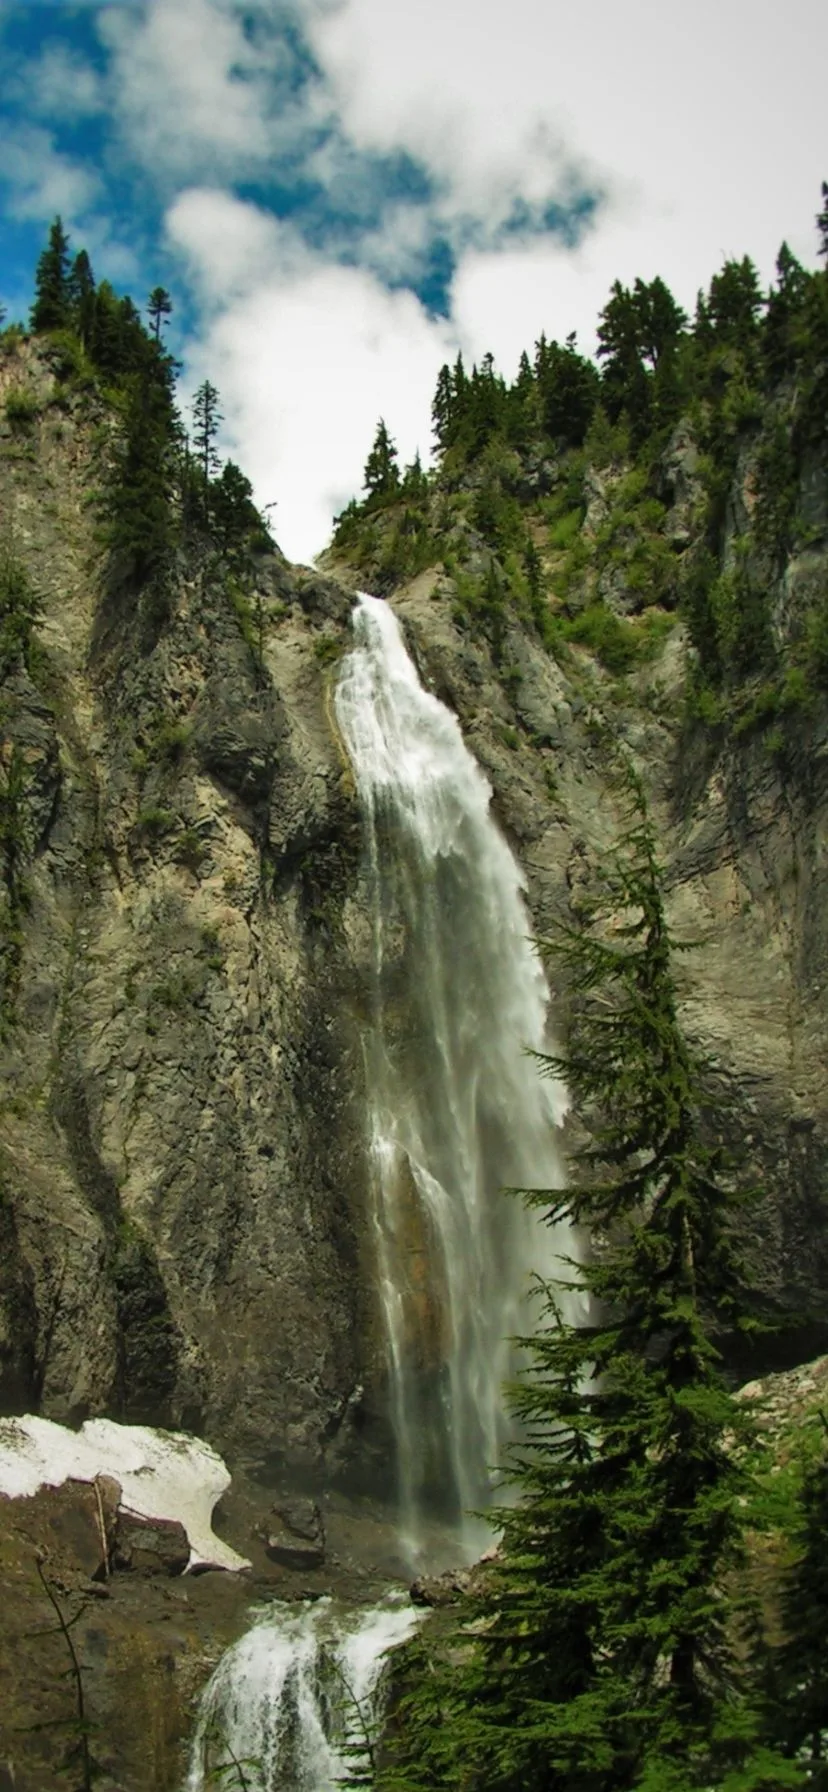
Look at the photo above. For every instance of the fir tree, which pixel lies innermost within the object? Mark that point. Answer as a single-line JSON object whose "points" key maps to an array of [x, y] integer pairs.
{"points": [[238, 525], [138, 501], [206, 420], [414, 482], [822, 222], [735, 303], [381, 477], [781, 336], [442, 408], [80, 292], [602, 1655], [159, 308], [50, 310], [802, 1663], [568, 387]]}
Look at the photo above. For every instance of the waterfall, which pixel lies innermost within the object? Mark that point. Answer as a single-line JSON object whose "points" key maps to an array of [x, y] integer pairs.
{"points": [[294, 1705], [458, 1109]]}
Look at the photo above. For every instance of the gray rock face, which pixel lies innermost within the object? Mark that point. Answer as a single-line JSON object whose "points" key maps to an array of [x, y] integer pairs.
{"points": [[741, 833], [183, 1197], [181, 1163]]}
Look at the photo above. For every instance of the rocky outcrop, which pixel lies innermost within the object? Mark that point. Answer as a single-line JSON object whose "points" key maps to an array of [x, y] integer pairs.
{"points": [[741, 830], [181, 1164]]}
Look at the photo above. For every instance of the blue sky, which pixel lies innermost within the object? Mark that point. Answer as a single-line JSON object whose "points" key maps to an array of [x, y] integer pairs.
{"points": [[341, 193]]}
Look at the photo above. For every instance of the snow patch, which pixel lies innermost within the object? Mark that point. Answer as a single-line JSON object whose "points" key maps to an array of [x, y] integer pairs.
{"points": [[162, 1474]]}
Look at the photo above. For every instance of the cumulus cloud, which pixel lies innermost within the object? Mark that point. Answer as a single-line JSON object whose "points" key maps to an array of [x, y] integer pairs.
{"points": [[60, 84], [306, 356], [535, 151], [41, 180], [206, 88], [698, 131], [703, 124]]}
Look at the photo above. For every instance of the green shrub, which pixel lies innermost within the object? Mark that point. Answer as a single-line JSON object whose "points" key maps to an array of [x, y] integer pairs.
{"points": [[19, 612], [609, 637], [154, 822], [190, 850], [21, 407], [171, 741], [563, 531], [70, 360], [328, 649]]}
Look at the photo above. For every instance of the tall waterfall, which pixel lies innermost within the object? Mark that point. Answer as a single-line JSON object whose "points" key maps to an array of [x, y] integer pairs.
{"points": [[457, 1107], [457, 1110]]}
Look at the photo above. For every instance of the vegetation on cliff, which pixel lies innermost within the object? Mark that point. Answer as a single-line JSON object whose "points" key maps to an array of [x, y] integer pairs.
{"points": [[676, 478], [160, 495]]}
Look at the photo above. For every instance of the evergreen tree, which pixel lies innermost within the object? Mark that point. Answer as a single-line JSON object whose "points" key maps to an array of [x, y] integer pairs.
{"points": [[638, 338], [442, 408], [601, 1657], [51, 308], [822, 221], [138, 500], [781, 336], [381, 477], [238, 525], [206, 420], [802, 1662], [80, 294], [625, 386], [735, 303], [159, 308], [568, 385], [415, 482]]}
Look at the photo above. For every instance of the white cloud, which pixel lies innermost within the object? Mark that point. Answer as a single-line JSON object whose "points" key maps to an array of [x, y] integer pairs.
{"points": [[701, 128], [41, 180], [230, 246], [61, 84], [704, 119], [305, 360], [203, 88]]}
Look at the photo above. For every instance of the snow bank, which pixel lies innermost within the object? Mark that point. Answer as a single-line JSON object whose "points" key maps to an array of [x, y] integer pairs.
{"points": [[162, 1474]]}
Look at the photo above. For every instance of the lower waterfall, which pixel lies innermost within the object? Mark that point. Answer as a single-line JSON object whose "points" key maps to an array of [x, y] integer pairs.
{"points": [[293, 1706], [457, 1111]]}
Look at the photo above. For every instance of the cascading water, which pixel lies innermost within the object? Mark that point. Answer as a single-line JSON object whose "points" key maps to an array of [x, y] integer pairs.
{"points": [[293, 1706], [457, 1110], [457, 1106]]}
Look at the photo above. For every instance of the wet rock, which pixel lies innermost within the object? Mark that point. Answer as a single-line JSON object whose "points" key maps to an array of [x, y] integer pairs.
{"points": [[295, 1535], [73, 1526], [150, 1546], [303, 1517], [438, 1590]]}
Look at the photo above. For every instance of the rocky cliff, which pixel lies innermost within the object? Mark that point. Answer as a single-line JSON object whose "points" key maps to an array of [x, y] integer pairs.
{"points": [[181, 1147], [182, 1163]]}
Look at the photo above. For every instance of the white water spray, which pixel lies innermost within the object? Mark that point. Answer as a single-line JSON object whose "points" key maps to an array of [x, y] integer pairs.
{"points": [[458, 1109], [294, 1705]]}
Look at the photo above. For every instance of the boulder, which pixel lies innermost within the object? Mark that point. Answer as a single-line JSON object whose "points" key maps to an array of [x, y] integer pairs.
{"points": [[295, 1537], [150, 1546], [435, 1590]]}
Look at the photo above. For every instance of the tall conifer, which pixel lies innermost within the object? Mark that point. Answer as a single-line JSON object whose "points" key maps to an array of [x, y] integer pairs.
{"points": [[603, 1656], [50, 310]]}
